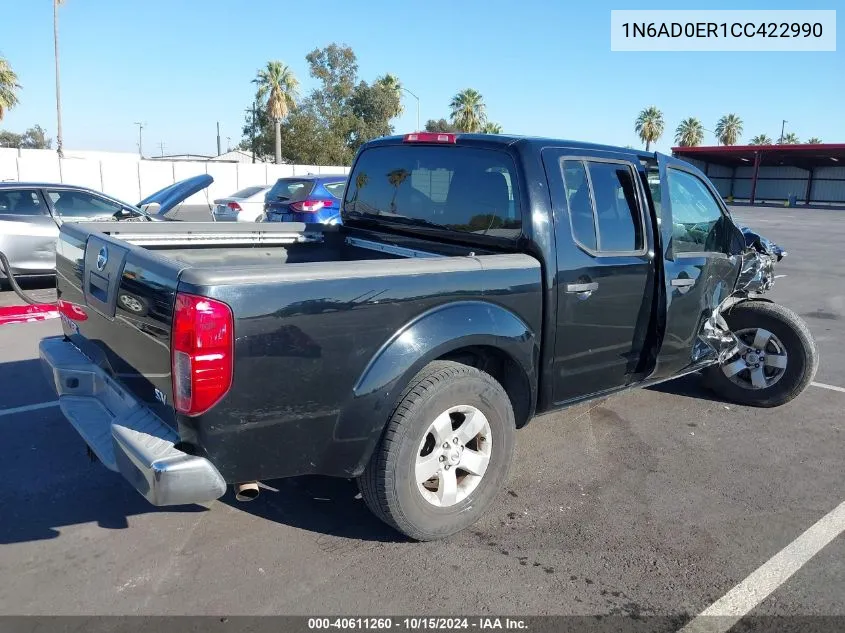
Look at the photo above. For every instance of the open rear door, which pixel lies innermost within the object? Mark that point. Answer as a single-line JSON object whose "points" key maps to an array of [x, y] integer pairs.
{"points": [[702, 258]]}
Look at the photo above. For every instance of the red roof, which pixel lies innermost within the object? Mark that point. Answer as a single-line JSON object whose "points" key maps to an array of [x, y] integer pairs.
{"points": [[804, 156]]}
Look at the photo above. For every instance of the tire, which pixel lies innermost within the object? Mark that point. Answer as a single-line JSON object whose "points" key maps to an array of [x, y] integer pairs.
{"points": [[389, 483], [790, 333]]}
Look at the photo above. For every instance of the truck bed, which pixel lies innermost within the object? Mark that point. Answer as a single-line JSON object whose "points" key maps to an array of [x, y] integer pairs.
{"points": [[313, 307]]}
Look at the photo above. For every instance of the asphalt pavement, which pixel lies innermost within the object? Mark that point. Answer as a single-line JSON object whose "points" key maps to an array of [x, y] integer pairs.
{"points": [[654, 502]]}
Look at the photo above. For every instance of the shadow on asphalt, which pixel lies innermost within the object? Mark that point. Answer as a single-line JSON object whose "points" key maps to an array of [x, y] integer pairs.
{"points": [[31, 283], [324, 505], [690, 386]]}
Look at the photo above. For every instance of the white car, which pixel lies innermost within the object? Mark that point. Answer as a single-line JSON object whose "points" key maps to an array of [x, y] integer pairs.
{"points": [[242, 206]]}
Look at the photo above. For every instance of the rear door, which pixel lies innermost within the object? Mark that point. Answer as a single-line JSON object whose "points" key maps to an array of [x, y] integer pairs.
{"points": [[27, 232], [702, 255], [605, 270]]}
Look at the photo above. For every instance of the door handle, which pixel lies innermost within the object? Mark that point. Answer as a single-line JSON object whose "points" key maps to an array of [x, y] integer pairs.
{"points": [[580, 288], [682, 282]]}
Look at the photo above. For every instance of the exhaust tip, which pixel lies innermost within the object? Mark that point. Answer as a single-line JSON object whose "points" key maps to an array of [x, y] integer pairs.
{"points": [[246, 491]]}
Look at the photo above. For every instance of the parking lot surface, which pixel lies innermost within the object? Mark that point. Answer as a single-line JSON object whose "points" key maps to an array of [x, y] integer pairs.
{"points": [[653, 502]]}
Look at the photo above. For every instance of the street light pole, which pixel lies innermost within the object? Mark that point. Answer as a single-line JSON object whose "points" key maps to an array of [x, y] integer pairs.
{"points": [[418, 105], [782, 125], [140, 138]]}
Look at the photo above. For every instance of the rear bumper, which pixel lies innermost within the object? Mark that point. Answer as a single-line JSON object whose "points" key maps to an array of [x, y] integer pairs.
{"points": [[124, 434]]}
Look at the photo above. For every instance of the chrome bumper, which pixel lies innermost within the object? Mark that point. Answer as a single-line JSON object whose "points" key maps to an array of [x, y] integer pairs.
{"points": [[124, 434]]}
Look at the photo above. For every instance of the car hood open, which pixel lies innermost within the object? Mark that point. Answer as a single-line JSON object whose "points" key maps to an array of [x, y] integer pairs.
{"points": [[177, 193]]}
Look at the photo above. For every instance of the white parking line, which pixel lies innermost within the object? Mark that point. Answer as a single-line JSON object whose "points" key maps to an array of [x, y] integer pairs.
{"points": [[739, 601], [831, 387], [29, 407]]}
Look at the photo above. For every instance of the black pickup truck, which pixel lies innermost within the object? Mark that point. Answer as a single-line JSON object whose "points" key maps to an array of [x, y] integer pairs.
{"points": [[476, 282]]}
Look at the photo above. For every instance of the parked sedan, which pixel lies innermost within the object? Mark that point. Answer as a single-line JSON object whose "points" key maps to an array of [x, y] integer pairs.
{"points": [[31, 213], [313, 199], [245, 205]]}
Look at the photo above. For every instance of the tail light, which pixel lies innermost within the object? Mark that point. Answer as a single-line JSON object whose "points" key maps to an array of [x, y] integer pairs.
{"points": [[202, 353], [308, 206], [234, 206]]}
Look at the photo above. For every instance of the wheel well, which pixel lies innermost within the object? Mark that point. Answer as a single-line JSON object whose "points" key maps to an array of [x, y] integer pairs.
{"points": [[505, 370]]}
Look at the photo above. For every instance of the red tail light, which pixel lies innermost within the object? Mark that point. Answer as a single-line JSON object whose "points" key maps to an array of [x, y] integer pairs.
{"points": [[308, 206], [430, 137], [202, 353], [234, 206]]}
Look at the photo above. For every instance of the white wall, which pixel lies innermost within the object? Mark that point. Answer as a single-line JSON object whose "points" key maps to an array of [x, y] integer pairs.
{"points": [[127, 177]]}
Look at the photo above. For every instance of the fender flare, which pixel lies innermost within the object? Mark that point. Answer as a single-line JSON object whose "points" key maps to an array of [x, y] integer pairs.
{"points": [[730, 302], [429, 336]]}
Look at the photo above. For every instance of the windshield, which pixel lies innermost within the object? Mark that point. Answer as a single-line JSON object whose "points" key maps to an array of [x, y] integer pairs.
{"points": [[290, 189], [247, 193], [460, 189]]}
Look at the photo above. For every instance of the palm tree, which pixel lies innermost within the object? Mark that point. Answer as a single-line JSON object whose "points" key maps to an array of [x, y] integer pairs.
{"points": [[729, 129], [468, 110], [649, 126], [8, 87], [689, 133], [396, 178], [277, 92], [790, 138], [491, 128], [59, 139], [391, 82], [761, 139], [814, 140]]}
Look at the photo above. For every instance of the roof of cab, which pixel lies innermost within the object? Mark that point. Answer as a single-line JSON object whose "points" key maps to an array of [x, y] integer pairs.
{"points": [[506, 140]]}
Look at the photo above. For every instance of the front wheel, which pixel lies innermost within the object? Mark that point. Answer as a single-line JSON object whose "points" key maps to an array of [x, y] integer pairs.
{"points": [[776, 361], [444, 455]]}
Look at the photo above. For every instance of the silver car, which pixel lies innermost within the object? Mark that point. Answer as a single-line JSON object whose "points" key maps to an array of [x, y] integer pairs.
{"points": [[242, 206], [31, 213]]}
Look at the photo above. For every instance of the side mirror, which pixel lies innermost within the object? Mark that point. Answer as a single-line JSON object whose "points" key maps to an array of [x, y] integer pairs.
{"points": [[151, 208]]}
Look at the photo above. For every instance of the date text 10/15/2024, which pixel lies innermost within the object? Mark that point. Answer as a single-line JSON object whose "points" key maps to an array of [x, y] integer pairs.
{"points": [[417, 623]]}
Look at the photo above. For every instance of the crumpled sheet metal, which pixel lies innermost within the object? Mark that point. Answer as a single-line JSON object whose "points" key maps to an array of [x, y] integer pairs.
{"points": [[756, 276]]}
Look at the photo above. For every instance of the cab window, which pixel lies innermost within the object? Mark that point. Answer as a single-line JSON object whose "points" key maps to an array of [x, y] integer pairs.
{"points": [[698, 224]]}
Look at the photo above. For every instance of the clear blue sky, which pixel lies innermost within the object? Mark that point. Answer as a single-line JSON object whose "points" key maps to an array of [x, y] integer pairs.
{"points": [[544, 67]]}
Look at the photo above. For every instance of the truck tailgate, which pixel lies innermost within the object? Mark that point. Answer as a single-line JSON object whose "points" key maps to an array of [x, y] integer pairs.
{"points": [[116, 302]]}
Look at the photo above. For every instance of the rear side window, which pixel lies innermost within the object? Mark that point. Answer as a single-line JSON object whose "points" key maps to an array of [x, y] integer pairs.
{"points": [[290, 189], [453, 188], [21, 202], [603, 209], [335, 188]]}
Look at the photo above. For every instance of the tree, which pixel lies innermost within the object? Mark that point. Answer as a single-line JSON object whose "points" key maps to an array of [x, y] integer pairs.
{"points": [[790, 138], [9, 87], [729, 129], [59, 137], [468, 110], [491, 128], [814, 140], [277, 93], [689, 133], [330, 124], [440, 125], [34, 138], [649, 126], [761, 139], [391, 83]]}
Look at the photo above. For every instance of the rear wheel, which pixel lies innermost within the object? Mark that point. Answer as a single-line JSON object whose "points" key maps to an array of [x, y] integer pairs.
{"points": [[445, 453], [776, 359]]}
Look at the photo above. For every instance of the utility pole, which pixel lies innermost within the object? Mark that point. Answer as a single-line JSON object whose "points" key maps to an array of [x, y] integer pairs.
{"points": [[228, 143], [161, 148], [140, 138], [252, 128], [782, 125], [218, 139]]}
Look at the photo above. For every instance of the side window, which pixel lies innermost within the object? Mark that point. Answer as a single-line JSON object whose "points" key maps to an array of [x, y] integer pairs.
{"points": [[336, 189], [21, 202], [603, 209], [620, 227], [580, 203], [78, 204], [698, 222]]}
